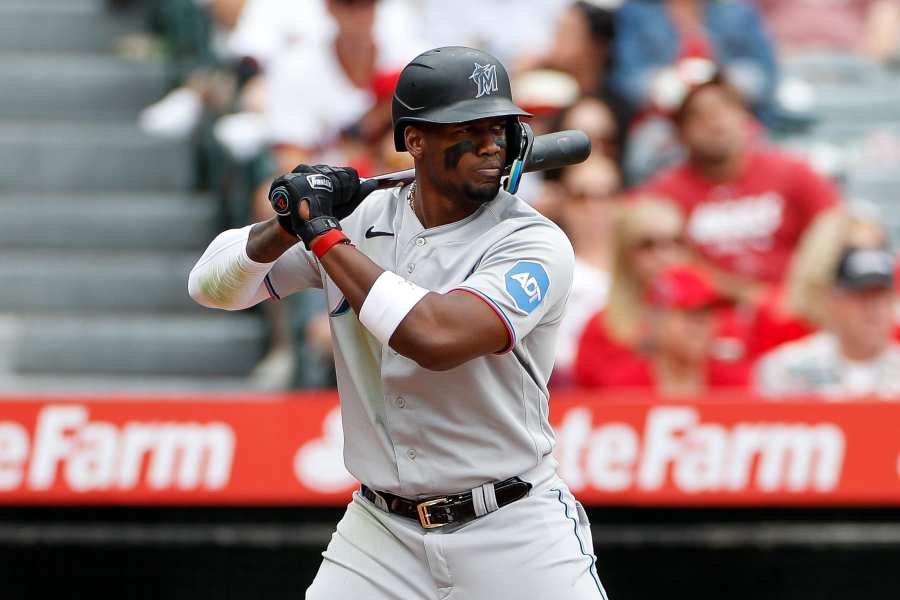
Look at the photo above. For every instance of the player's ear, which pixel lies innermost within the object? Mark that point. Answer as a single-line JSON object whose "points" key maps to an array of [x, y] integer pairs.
{"points": [[415, 141]]}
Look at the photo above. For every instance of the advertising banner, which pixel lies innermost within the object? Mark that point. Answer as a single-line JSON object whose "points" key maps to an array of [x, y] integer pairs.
{"points": [[287, 450]]}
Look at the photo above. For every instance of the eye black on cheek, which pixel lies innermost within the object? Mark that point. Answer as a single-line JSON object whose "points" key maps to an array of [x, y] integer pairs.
{"points": [[454, 153]]}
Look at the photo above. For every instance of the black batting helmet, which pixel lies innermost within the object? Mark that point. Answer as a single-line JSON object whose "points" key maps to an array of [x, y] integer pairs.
{"points": [[453, 85]]}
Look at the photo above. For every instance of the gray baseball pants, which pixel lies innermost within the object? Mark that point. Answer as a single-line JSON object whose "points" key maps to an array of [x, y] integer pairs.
{"points": [[537, 548]]}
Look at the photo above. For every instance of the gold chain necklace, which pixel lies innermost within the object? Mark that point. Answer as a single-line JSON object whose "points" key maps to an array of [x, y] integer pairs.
{"points": [[412, 196]]}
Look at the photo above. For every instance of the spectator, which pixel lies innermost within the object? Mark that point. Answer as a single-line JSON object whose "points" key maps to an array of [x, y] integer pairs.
{"points": [[797, 308], [597, 120], [681, 328], [746, 204], [352, 71], [267, 29], [870, 28], [654, 34], [586, 215], [855, 355], [206, 85], [582, 46], [547, 95], [646, 240], [507, 29], [657, 42]]}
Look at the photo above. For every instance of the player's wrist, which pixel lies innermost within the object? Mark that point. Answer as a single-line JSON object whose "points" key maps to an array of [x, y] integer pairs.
{"points": [[324, 242]]}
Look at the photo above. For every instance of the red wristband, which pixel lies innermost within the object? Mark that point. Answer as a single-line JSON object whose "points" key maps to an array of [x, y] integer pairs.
{"points": [[327, 240]]}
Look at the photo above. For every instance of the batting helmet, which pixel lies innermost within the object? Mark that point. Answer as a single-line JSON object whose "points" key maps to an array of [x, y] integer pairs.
{"points": [[454, 85]]}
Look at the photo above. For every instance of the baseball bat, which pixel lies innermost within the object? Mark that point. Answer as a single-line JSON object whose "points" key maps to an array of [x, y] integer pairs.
{"points": [[550, 151]]}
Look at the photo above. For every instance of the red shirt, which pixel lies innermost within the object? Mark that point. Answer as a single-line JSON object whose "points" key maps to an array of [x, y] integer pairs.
{"points": [[605, 363], [771, 327], [750, 225]]}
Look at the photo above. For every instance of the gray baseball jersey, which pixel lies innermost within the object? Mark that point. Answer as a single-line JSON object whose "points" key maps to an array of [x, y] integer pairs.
{"points": [[415, 432]]}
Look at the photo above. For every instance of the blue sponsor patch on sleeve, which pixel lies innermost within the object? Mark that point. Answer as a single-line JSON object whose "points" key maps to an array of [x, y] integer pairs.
{"points": [[527, 283]]}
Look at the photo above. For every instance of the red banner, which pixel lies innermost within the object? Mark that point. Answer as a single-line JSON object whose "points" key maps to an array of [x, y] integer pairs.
{"points": [[267, 450]]}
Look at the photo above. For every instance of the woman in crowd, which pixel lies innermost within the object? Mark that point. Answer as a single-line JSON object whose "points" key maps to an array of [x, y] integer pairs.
{"points": [[586, 212], [619, 345]]}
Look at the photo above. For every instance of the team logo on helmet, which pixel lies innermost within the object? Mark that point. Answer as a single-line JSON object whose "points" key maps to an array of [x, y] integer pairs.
{"points": [[485, 78]]}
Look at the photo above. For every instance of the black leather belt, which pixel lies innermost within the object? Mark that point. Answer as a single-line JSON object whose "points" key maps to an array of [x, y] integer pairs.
{"points": [[443, 510]]}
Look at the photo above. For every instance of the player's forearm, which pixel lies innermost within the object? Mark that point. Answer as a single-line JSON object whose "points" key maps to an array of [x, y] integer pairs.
{"points": [[268, 241], [439, 332], [352, 271]]}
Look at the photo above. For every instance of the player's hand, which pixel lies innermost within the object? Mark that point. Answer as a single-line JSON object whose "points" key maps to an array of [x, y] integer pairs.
{"points": [[310, 200], [347, 196]]}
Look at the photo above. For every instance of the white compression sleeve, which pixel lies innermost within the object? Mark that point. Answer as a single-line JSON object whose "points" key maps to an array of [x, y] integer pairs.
{"points": [[387, 303], [225, 277]]}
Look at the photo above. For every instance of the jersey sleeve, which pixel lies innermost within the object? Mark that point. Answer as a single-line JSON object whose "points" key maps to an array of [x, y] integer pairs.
{"points": [[525, 279], [295, 270]]}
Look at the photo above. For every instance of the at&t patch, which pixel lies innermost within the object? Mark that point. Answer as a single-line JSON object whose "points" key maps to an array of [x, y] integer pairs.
{"points": [[527, 282]]}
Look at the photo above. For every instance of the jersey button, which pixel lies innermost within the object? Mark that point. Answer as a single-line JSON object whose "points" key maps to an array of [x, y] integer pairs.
{"points": [[410, 268], [420, 242], [411, 454], [399, 402]]}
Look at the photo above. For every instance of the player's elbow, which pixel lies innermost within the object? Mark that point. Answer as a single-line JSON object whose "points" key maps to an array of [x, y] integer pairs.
{"points": [[437, 363], [434, 352], [200, 292]]}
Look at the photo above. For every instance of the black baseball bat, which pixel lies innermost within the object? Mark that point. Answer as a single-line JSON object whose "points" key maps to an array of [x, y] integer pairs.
{"points": [[550, 151]]}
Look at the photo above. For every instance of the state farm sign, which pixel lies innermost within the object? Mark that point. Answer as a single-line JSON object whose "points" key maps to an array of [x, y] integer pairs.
{"points": [[674, 448], [278, 450], [84, 454]]}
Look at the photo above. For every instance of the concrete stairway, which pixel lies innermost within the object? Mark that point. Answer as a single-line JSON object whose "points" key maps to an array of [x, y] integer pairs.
{"points": [[98, 223]]}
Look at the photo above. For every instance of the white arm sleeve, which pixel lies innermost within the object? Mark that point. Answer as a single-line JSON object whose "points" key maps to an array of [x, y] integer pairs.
{"points": [[225, 277]]}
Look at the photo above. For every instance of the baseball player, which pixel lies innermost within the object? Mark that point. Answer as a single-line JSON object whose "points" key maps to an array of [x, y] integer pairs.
{"points": [[444, 296]]}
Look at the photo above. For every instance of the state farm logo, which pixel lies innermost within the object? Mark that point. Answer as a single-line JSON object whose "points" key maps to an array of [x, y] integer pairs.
{"points": [[319, 463], [677, 450], [88, 455], [732, 223]]}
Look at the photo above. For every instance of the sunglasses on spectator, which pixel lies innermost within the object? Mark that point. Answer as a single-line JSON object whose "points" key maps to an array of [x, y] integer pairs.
{"points": [[655, 243], [591, 195]]}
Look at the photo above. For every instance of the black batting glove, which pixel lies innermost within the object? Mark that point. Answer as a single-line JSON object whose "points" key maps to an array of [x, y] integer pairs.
{"points": [[347, 196], [329, 191]]}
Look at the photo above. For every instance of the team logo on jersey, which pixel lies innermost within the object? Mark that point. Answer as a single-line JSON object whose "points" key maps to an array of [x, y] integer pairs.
{"points": [[319, 182], [527, 283], [485, 78]]}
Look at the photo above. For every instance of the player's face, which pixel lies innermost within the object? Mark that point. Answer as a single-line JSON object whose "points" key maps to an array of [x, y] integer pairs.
{"points": [[466, 160]]}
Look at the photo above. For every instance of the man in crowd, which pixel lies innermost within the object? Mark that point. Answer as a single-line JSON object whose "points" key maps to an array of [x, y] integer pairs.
{"points": [[746, 204], [855, 355]]}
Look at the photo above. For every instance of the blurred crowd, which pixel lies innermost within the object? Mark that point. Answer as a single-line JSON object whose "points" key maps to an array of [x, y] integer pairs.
{"points": [[708, 258]]}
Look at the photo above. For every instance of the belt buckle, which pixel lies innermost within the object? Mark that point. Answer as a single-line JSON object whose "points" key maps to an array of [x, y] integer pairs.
{"points": [[425, 517]]}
